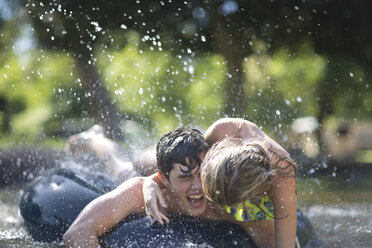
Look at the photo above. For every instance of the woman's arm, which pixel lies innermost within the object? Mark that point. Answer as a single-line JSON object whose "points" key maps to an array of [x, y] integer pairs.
{"points": [[236, 127], [284, 198], [262, 232], [226, 127], [103, 213], [153, 197]]}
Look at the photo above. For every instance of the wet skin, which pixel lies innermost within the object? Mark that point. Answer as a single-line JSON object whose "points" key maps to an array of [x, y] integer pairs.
{"points": [[186, 190]]}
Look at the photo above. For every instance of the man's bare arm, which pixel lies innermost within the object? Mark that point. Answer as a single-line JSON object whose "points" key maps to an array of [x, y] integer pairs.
{"points": [[103, 213]]}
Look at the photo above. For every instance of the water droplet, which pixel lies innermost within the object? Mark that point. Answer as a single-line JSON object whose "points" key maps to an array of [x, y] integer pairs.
{"points": [[228, 7], [191, 69]]}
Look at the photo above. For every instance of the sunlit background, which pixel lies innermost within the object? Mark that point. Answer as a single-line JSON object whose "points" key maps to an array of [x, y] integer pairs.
{"points": [[299, 69]]}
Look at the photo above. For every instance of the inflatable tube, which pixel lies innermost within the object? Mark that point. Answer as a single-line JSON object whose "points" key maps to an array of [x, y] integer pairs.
{"points": [[53, 201]]}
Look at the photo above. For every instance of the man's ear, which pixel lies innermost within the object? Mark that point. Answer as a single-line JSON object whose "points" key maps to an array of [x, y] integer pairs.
{"points": [[163, 180]]}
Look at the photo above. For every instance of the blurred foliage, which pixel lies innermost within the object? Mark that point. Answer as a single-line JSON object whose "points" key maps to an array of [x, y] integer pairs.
{"points": [[284, 86], [162, 74], [162, 89], [39, 91]]}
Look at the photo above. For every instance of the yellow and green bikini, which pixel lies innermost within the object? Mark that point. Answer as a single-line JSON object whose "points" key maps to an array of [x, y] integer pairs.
{"points": [[258, 208]]}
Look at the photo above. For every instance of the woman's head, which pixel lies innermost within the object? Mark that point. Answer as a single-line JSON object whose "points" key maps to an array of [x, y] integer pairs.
{"points": [[234, 170]]}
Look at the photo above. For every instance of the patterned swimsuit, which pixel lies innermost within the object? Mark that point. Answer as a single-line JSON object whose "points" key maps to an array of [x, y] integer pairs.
{"points": [[258, 208]]}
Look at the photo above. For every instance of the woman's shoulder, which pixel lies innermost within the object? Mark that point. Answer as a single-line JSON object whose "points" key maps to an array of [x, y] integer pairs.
{"points": [[283, 163]]}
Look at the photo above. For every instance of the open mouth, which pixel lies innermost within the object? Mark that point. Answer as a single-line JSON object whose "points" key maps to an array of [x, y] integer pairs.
{"points": [[195, 200]]}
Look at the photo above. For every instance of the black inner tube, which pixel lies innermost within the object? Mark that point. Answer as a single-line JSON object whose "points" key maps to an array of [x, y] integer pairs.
{"points": [[53, 201]]}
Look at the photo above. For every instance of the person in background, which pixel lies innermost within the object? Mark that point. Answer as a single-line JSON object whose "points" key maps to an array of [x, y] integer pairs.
{"points": [[111, 154]]}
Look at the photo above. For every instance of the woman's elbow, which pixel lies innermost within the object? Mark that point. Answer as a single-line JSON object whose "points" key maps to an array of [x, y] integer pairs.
{"points": [[68, 238], [75, 236]]}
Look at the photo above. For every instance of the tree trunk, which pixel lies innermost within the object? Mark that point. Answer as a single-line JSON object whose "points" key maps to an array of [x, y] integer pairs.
{"points": [[103, 107], [230, 47], [325, 109]]}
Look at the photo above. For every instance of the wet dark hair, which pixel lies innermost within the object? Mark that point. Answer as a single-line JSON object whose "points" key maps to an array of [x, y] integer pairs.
{"points": [[178, 145]]}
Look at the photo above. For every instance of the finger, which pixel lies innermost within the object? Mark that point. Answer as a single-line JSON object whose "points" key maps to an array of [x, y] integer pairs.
{"points": [[154, 211], [165, 218], [151, 220], [161, 199], [151, 205], [150, 214], [158, 217]]}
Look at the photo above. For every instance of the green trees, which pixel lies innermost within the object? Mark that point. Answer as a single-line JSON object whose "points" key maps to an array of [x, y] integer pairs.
{"points": [[167, 63]]}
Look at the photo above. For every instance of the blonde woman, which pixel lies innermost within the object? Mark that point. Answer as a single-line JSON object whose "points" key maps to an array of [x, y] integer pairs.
{"points": [[248, 175]]}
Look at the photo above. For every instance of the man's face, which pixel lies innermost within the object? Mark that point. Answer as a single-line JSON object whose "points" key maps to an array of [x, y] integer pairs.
{"points": [[186, 190]]}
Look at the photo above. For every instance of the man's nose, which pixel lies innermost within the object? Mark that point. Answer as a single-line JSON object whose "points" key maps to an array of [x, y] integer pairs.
{"points": [[196, 184]]}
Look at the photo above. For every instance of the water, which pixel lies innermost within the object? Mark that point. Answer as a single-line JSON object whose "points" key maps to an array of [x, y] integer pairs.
{"points": [[340, 209], [12, 232]]}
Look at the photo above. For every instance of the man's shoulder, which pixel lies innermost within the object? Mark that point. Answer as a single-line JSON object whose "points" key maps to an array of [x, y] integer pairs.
{"points": [[131, 188], [129, 196], [132, 182]]}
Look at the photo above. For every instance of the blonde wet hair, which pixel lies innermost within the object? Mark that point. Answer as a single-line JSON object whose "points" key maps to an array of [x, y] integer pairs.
{"points": [[235, 170]]}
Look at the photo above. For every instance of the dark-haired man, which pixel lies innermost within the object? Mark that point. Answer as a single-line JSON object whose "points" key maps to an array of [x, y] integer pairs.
{"points": [[179, 155]]}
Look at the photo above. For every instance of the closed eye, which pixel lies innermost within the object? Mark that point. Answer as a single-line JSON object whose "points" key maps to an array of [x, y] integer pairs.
{"points": [[182, 176]]}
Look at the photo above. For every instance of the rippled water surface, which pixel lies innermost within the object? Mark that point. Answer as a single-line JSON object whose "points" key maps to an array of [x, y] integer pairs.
{"points": [[340, 209], [12, 232]]}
